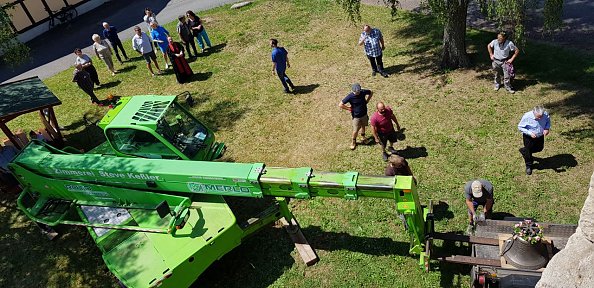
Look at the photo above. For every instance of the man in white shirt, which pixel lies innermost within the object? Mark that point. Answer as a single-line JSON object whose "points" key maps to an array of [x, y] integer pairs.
{"points": [[500, 51], [142, 44]]}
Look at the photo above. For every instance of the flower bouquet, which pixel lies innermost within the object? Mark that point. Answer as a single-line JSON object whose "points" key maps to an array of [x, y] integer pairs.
{"points": [[528, 231]]}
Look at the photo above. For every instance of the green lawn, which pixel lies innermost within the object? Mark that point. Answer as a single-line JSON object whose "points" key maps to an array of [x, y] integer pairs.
{"points": [[457, 129]]}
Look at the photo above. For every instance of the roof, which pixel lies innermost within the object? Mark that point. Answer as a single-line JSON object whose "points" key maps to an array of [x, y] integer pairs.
{"points": [[139, 110], [24, 96]]}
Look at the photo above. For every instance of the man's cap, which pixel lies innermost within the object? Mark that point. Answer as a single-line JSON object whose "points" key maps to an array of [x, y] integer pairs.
{"points": [[477, 189], [356, 87]]}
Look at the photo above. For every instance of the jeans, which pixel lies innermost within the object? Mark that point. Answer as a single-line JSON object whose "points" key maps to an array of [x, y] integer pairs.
{"points": [[377, 65], [199, 39], [531, 145], [285, 80]]}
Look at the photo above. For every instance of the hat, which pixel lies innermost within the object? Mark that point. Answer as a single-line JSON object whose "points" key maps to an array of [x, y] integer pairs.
{"points": [[477, 189], [356, 87]]}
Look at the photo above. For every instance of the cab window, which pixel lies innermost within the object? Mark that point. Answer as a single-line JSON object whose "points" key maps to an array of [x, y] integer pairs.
{"points": [[138, 143]]}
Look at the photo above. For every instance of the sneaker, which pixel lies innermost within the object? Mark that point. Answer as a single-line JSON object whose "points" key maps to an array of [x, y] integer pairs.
{"points": [[373, 73], [202, 50], [384, 74], [353, 145], [166, 66], [528, 171], [112, 73], [510, 90], [153, 74], [496, 87], [392, 150], [385, 156]]}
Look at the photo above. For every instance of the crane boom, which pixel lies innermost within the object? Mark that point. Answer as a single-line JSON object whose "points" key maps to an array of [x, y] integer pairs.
{"points": [[54, 178]]}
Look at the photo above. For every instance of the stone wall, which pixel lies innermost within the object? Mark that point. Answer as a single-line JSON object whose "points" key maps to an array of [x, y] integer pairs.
{"points": [[574, 265]]}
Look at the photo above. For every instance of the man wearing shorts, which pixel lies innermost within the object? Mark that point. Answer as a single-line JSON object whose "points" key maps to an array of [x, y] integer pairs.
{"points": [[478, 193], [383, 129], [142, 44], [358, 100]]}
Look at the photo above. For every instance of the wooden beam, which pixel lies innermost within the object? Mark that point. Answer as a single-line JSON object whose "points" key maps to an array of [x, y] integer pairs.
{"points": [[54, 122], [464, 238], [49, 127], [308, 255], [10, 136], [461, 259]]}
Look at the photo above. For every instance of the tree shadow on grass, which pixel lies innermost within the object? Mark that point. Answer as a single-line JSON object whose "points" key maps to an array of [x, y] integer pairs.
{"points": [[579, 134], [566, 70], [223, 114], [558, 163]]}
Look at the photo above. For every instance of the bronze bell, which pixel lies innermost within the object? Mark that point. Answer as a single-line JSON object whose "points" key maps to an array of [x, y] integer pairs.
{"points": [[523, 255]]}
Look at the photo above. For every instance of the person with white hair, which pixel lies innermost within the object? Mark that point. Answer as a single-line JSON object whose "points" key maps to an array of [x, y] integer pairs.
{"points": [[111, 33], [103, 51], [478, 193], [535, 125]]}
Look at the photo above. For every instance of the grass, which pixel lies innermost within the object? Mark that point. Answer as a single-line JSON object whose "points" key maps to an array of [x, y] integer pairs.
{"points": [[457, 129]]}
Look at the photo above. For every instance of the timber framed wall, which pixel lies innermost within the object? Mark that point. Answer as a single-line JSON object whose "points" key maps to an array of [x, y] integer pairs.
{"points": [[28, 14]]}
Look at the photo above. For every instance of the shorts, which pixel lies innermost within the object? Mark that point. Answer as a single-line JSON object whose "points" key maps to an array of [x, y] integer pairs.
{"points": [[391, 136], [359, 123], [148, 56]]}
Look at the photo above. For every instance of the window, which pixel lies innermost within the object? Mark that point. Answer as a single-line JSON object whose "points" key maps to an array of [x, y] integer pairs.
{"points": [[182, 130], [139, 143]]}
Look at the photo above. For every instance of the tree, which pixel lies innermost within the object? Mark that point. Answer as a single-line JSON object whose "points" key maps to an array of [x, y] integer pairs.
{"points": [[509, 15], [12, 51]]}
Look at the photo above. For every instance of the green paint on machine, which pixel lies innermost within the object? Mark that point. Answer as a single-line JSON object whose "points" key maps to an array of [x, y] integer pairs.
{"points": [[161, 220]]}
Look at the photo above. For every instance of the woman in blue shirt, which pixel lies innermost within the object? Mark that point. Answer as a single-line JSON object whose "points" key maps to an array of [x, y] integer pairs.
{"points": [[159, 35]]}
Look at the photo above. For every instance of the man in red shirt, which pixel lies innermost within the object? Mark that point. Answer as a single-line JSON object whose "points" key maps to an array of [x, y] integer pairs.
{"points": [[383, 129]]}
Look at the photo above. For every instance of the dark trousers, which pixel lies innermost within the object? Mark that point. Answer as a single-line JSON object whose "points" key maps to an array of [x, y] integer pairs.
{"points": [[193, 44], [118, 45], [93, 72], [285, 80], [377, 65], [531, 145], [90, 92]]}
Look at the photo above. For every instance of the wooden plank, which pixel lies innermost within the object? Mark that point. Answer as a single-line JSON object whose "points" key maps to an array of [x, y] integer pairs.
{"points": [[308, 255], [461, 259], [464, 238]]}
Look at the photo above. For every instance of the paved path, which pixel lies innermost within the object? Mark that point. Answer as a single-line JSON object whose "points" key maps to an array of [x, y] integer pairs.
{"points": [[52, 52]]}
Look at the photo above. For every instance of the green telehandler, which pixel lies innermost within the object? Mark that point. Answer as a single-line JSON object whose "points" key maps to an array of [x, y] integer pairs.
{"points": [[160, 220], [152, 199]]}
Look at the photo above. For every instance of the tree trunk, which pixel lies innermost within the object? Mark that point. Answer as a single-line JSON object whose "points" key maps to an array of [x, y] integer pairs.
{"points": [[454, 35]]}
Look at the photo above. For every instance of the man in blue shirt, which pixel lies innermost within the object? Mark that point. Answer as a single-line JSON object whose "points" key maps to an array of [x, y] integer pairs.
{"points": [[280, 63], [111, 34], [358, 100], [535, 125], [373, 42]]}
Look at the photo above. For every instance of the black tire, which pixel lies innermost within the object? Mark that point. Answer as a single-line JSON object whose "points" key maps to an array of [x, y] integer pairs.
{"points": [[74, 13]]}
